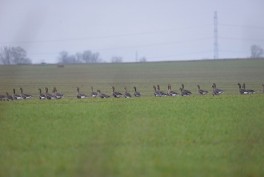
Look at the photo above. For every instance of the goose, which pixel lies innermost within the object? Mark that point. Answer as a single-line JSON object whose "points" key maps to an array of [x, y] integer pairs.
{"points": [[16, 96], [161, 92], [102, 95], [136, 93], [3, 98], [248, 90], [116, 94], [9, 97], [156, 92], [94, 94], [242, 91], [41, 95], [185, 92], [127, 94], [48, 95], [201, 92], [217, 91], [23, 95], [57, 94], [80, 95], [170, 92]]}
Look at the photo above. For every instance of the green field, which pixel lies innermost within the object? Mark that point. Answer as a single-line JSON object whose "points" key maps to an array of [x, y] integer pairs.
{"points": [[148, 136]]}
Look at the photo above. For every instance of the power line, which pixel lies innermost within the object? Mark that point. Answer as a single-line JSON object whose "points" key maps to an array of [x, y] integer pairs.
{"points": [[141, 46], [106, 36], [241, 39], [242, 26]]}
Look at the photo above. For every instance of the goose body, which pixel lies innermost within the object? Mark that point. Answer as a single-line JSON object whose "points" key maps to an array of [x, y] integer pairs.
{"points": [[116, 94], [201, 92], [16, 96], [156, 92], [127, 94], [161, 92], [102, 95], [25, 96], [185, 92], [56, 94], [9, 97], [3, 98], [41, 95], [80, 95], [216, 91], [250, 91], [170, 92], [242, 91], [136, 93], [48, 95]]}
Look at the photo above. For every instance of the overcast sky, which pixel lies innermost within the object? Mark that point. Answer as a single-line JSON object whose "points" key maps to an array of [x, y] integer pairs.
{"points": [[155, 29]]}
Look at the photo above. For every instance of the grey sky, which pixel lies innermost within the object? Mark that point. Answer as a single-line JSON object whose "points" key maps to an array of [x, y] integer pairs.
{"points": [[155, 29]]}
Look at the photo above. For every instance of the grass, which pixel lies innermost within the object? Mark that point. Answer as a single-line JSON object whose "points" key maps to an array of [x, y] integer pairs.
{"points": [[148, 136], [226, 74]]}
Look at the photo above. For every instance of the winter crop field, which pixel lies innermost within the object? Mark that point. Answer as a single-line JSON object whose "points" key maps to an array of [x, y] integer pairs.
{"points": [[148, 136]]}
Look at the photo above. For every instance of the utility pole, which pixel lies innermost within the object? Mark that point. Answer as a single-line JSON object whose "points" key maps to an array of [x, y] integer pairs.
{"points": [[136, 56], [215, 35]]}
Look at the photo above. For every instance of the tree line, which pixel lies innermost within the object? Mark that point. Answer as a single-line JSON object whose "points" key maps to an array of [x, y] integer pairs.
{"points": [[13, 55], [10, 55], [86, 56]]}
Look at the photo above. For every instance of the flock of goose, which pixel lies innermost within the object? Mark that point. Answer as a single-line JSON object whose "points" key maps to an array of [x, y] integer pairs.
{"points": [[184, 92], [157, 92], [102, 95]]}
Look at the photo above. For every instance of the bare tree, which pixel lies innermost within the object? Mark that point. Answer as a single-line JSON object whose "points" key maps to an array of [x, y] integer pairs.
{"points": [[65, 58], [13, 55], [90, 57], [84, 57], [256, 51], [95, 58], [78, 57], [117, 59]]}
